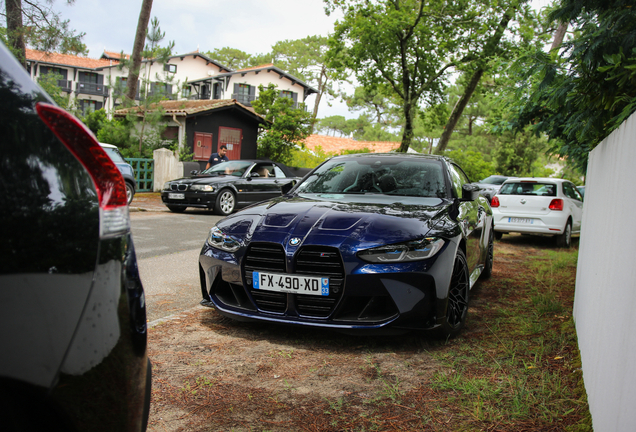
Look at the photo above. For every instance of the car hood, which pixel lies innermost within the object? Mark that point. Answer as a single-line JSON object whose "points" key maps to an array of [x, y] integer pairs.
{"points": [[359, 221], [204, 179]]}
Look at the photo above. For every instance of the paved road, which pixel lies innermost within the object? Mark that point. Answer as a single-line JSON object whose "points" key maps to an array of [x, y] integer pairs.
{"points": [[168, 246]]}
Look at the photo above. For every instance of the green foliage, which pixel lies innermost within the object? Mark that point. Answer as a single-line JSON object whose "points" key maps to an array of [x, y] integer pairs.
{"points": [[580, 97], [516, 154], [305, 158], [118, 132], [49, 82], [473, 164], [95, 120], [237, 59], [287, 126], [333, 124]]}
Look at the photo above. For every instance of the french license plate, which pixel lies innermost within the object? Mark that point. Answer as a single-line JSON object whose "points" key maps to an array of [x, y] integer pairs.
{"points": [[176, 196], [521, 220], [288, 283]]}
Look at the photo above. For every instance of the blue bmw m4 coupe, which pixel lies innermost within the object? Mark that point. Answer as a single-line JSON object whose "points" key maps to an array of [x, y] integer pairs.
{"points": [[381, 243]]}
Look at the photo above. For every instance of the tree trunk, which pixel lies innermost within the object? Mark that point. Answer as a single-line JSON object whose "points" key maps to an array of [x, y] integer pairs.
{"points": [[458, 110], [135, 58], [407, 135], [559, 35], [489, 50], [15, 29]]}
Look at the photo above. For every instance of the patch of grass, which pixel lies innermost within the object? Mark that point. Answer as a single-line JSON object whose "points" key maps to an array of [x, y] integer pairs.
{"points": [[519, 370]]}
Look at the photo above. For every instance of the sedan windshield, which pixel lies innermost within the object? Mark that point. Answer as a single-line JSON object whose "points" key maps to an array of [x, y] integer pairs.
{"points": [[404, 177], [235, 168]]}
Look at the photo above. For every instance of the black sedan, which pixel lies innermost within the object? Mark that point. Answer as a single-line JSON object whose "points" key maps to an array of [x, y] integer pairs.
{"points": [[227, 186], [72, 306], [366, 242]]}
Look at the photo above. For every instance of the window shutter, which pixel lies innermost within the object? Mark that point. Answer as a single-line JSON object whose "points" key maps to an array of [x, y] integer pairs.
{"points": [[82, 77], [100, 79], [295, 98], [169, 90], [252, 92], [236, 90], [98, 105]]}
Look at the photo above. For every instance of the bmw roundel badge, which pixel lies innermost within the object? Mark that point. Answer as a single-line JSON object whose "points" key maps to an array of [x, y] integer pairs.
{"points": [[295, 241]]}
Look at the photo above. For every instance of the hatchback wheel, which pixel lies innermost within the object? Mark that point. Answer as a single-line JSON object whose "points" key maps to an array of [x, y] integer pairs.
{"points": [[565, 239]]}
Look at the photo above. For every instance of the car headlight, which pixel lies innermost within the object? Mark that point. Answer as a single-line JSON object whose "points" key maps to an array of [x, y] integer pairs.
{"points": [[204, 188], [218, 239], [166, 186], [409, 251]]}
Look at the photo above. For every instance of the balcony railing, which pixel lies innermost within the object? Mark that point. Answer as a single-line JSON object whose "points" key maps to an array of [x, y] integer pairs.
{"points": [[92, 88], [64, 85]]}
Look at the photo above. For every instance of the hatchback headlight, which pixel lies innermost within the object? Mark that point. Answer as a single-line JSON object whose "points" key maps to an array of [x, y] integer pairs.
{"points": [[166, 186], [403, 252], [218, 239], [204, 188]]}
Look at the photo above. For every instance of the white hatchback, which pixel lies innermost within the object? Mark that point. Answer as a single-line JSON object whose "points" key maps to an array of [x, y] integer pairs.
{"points": [[543, 206]]}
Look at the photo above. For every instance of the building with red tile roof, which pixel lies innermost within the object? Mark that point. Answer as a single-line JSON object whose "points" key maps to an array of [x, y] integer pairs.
{"points": [[330, 144]]}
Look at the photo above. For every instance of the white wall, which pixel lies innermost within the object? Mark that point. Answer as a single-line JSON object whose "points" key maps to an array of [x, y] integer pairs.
{"points": [[264, 78], [605, 298]]}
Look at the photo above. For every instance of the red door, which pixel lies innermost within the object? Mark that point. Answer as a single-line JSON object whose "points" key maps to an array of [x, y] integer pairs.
{"points": [[202, 145], [232, 139]]}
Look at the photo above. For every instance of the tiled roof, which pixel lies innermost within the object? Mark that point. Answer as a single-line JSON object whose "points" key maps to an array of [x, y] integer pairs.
{"points": [[192, 107], [335, 144], [114, 55], [66, 59], [256, 67]]}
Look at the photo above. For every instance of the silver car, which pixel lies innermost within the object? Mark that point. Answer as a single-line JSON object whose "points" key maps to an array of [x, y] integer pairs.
{"points": [[543, 206]]}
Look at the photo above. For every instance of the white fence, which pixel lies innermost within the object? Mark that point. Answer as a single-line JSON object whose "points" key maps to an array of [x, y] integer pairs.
{"points": [[605, 298]]}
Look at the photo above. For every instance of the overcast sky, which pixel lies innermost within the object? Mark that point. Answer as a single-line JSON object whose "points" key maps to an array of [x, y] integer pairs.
{"points": [[252, 26]]}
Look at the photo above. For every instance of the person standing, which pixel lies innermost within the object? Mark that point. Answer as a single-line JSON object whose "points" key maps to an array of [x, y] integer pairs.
{"points": [[219, 157]]}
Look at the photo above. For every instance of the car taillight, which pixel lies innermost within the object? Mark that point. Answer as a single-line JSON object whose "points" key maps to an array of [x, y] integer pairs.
{"points": [[556, 204], [109, 183], [494, 202]]}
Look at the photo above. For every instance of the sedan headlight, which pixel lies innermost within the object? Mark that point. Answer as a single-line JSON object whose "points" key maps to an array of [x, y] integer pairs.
{"points": [[166, 186], [218, 239], [204, 188], [403, 252]]}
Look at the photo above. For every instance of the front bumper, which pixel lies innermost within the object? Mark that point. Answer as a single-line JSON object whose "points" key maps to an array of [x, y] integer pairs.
{"points": [[372, 297], [191, 199]]}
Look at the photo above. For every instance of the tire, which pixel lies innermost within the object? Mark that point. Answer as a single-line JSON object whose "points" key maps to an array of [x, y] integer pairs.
{"points": [[458, 296], [498, 235], [565, 240], [177, 209], [225, 202], [130, 192], [490, 255]]}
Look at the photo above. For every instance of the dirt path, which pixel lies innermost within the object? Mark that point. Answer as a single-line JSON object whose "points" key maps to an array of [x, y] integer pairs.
{"points": [[213, 374]]}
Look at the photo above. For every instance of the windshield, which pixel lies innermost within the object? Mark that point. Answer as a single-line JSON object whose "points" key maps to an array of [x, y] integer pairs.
{"points": [[493, 179], [114, 154], [235, 168], [390, 176], [526, 188]]}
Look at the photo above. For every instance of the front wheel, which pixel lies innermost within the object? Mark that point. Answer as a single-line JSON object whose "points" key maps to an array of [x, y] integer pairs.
{"points": [[565, 239], [225, 202], [130, 192], [458, 294]]}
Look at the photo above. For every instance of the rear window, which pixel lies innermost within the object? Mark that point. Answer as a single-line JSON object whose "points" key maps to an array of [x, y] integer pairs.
{"points": [[114, 154], [522, 188]]}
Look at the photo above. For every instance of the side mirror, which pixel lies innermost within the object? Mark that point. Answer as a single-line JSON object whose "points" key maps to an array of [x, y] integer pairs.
{"points": [[255, 174], [287, 187], [470, 192]]}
